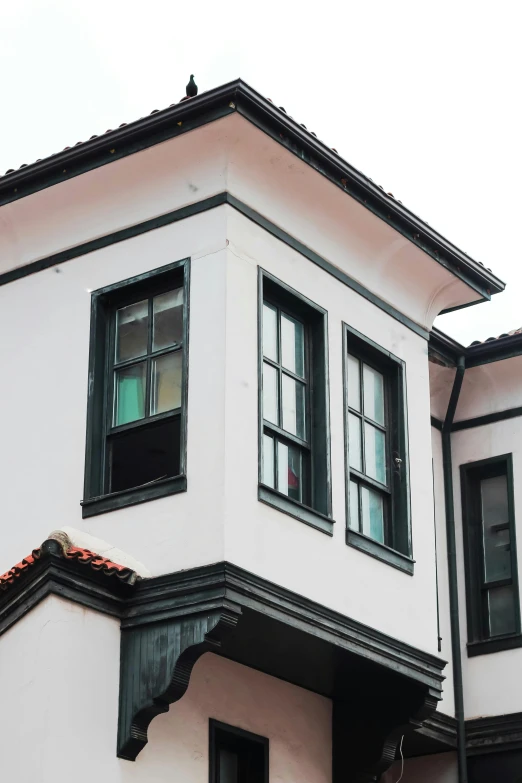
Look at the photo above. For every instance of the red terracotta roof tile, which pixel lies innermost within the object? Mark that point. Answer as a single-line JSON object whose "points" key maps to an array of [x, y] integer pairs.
{"points": [[83, 556], [499, 337]]}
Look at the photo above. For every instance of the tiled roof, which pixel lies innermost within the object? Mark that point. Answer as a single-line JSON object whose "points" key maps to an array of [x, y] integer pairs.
{"points": [[499, 337], [83, 556]]}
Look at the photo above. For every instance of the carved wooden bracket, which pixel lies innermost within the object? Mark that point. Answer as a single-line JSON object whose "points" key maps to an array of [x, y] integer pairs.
{"points": [[369, 724], [156, 664]]}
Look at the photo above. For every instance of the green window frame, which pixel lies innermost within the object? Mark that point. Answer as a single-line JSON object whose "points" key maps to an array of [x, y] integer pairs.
{"points": [[376, 446], [137, 392], [294, 432], [236, 755], [490, 555]]}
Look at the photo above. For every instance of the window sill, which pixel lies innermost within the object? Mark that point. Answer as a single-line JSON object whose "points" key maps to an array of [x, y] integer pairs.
{"points": [[486, 646], [297, 510], [380, 551], [130, 497]]}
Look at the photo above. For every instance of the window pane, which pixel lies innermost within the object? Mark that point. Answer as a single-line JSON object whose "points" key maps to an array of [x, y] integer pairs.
{"points": [[292, 345], [168, 319], [289, 471], [373, 383], [353, 520], [375, 453], [501, 610], [270, 332], [268, 461], [495, 526], [354, 383], [228, 766], [166, 383], [270, 394], [131, 331], [142, 454], [372, 508], [354, 442], [294, 407], [129, 394]]}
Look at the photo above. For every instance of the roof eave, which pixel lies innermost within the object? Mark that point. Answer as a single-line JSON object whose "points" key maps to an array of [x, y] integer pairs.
{"points": [[219, 102]]}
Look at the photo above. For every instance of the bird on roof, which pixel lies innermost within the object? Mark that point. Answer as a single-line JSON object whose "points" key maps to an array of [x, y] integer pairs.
{"points": [[191, 88]]}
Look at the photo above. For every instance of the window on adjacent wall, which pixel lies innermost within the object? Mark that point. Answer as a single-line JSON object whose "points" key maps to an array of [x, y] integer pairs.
{"points": [[490, 553], [294, 463], [377, 458], [137, 390], [237, 756]]}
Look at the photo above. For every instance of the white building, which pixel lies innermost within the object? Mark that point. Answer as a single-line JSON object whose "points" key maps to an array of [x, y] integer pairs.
{"points": [[218, 357]]}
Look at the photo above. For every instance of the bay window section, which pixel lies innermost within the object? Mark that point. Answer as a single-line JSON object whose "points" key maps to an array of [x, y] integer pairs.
{"points": [[294, 459], [137, 390], [376, 444]]}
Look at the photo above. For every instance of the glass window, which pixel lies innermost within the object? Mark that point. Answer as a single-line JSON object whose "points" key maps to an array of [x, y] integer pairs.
{"points": [[237, 756], [293, 425], [136, 398], [286, 448], [377, 465], [489, 533]]}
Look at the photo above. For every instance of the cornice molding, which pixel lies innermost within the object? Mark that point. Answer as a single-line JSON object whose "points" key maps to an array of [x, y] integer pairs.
{"points": [[494, 734], [237, 96]]}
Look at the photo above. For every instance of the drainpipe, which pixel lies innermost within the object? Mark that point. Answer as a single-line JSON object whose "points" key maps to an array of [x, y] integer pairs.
{"points": [[452, 570]]}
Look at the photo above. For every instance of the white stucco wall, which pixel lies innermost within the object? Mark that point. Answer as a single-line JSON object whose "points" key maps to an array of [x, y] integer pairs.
{"points": [[438, 768], [59, 671], [492, 683], [447, 705], [47, 318]]}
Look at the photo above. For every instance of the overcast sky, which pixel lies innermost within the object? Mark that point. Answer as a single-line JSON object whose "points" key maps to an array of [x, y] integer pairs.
{"points": [[424, 98]]}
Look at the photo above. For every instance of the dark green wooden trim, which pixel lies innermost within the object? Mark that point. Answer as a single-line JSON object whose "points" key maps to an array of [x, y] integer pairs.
{"points": [[315, 258], [441, 346], [315, 319], [499, 643], [217, 103], [478, 644], [196, 209], [494, 734], [399, 556], [294, 509], [489, 418], [451, 549], [441, 727], [380, 551], [215, 727], [96, 500], [131, 497], [113, 238]]}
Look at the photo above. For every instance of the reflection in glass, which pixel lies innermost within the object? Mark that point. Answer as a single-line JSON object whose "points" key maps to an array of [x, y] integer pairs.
{"points": [[354, 383], [495, 528], [501, 610], [375, 453], [270, 332], [353, 518], [293, 406], [289, 470], [372, 514], [168, 319], [228, 766], [166, 382], [268, 477], [373, 383], [270, 394], [354, 442], [129, 394], [131, 331], [292, 345]]}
